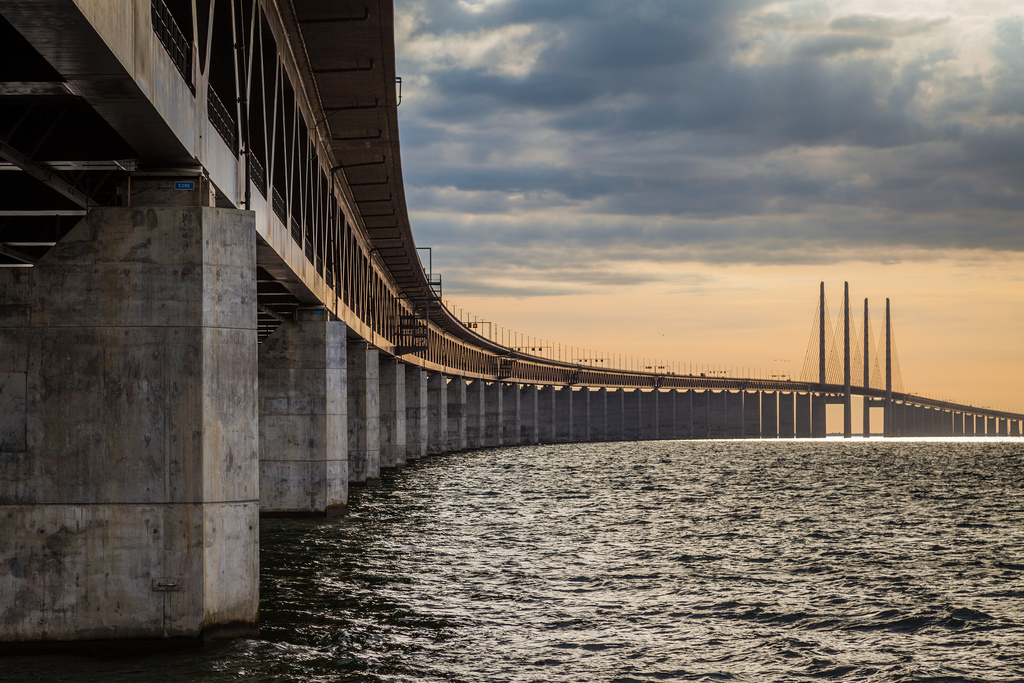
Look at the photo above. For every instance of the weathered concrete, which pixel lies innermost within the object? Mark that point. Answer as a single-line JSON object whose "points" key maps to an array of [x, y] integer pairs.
{"points": [[546, 414], [684, 414], [363, 413], [563, 414], [581, 415], [457, 440], [751, 414], [649, 414], [632, 415], [769, 415], [493, 415], [667, 414], [718, 424], [700, 415], [528, 417], [437, 413], [803, 415], [392, 413], [129, 488], [511, 414], [615, 415], [599, 414], [303, 409], [787, 420], [416, 413], [475, 413], [818, 427]]}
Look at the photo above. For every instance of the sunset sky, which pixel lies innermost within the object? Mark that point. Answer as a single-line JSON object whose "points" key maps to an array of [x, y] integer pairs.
{"points": [[673, 179]]}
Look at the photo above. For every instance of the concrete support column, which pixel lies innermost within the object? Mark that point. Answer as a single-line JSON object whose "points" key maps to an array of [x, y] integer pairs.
{"points": [[457, 408], [511, 415], [614, 415], [818, 424], [546, 414], [752, 414], [415, 413], [803, 415], [581, 415], [649, 414], [718, 416], [787, 421], [667, 415], [129, 491], [363, 413], [700, 414], [493, 415], [734, 414], [475, 413], [958, 423], [392, 413], [968, 425], [1015, 428], [437, 413], [1004, 426], [599, 414], [632, 415], [769, 414], [528, 415], [303, 408], [563, 415], [684, 413]]}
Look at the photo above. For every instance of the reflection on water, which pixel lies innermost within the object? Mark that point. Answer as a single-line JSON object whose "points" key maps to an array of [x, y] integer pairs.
{"points": [[691, 560]]}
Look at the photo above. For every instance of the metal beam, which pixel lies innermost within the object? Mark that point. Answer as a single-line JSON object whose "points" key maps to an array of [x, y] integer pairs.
{"points": [[17, 255], [44, 175]]}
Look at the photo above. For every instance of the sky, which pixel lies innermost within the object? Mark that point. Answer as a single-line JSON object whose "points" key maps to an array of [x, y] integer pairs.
{"points": [[672, 179]]}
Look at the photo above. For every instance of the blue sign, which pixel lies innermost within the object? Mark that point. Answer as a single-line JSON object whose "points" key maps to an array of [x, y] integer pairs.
{"points": [[184, 185]]}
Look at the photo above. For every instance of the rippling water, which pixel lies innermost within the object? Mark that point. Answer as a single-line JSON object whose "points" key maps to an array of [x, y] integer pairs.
{"points": [[673, 560]]}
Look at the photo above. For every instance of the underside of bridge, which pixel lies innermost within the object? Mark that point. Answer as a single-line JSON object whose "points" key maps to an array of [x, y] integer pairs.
{"points": [[212, 308]]}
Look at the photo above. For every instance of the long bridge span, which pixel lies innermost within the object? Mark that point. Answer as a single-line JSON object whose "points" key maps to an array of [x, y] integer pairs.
{"points": [[212, 307]]}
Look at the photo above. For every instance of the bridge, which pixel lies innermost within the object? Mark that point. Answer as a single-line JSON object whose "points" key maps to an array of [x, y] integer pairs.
{"points": [[212, 308]]}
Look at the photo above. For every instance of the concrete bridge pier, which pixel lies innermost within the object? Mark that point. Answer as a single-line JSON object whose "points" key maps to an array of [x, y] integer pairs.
{"points": [[303, 417], [734, 414], [667, 414], [718, 415], [494, 413], [769, 415], [818, 425], [599, 414], [787, 423], [803, 415], [511, 416], [416, 413], [649, 414], [363, 413], [437, 413], [457, 408], [546, 414], [475, 413], [563, 428], [581, 415], [632, 414], [528, 415], [130, 487], [614, 415], [392, 414], [752, 414], [684, 414], [700, 421]]}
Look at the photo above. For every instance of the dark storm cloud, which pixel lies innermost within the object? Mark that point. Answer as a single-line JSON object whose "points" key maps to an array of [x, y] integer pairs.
{"points": [[666, 130]]}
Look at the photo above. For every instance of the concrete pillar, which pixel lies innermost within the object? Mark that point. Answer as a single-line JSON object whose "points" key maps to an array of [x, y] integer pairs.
{"points": [[546, 414], [803, 415], [528, 415], [303, 408], [563, 414], [599, 415], [818, 424], [898, 411], [968, 425], [457, 400], [511, 415], [751, 414], [363, 413], [684, 413], [958, 423], [769, 414], [787, 421], [700, 415], [392, 413], [632, 415], [437, 413], [581, 415], [667, 414], [718, 416], [1015, 428], [129, 491], [475, 413], [1004, 426], [947, 423], [494, 413], [734, 414], [416, 412], [649, 401], [614, 415]]}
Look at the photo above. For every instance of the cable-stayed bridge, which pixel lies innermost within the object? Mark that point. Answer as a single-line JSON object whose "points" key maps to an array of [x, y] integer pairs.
{"points": [[212, 307]]}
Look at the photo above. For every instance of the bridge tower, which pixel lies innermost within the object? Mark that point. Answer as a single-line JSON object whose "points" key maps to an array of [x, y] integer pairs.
{"points": [[887, 416], [867, 373], [847, 403]]}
